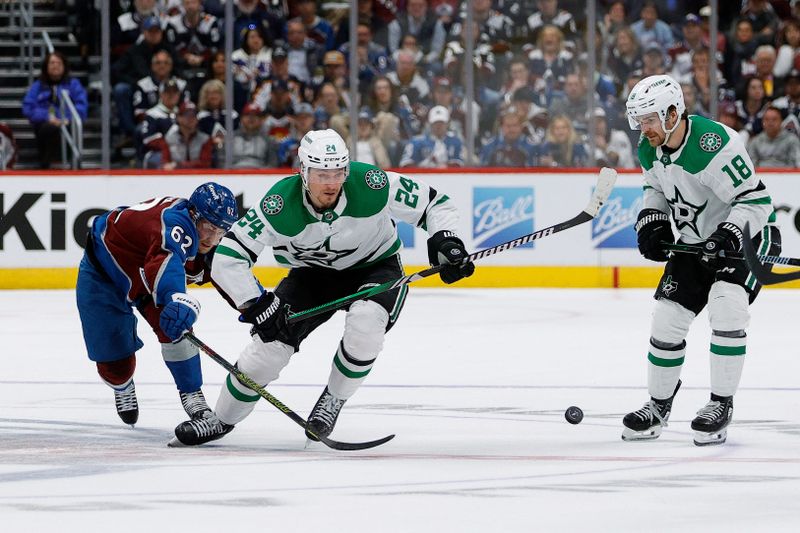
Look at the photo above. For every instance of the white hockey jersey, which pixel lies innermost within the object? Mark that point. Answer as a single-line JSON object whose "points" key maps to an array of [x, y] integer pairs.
{"points": [[710, 179], [358, 231]]}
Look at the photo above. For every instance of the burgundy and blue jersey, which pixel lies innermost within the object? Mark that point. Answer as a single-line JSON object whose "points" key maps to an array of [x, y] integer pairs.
{"points": [[145, 248]]}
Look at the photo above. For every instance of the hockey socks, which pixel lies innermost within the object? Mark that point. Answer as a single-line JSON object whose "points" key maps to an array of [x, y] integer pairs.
{"points": [[664, 366], [347, 373], [187, 373], [727, 362]]}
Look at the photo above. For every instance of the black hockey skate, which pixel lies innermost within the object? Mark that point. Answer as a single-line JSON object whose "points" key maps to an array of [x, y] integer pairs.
{"points": [[323, 416], [194, 403], [647, 422], [127, 405], [203, 428], [710, 425]]}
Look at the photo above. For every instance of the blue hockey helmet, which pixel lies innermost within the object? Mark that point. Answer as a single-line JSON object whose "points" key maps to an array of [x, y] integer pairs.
{"points": [[215, 203]]}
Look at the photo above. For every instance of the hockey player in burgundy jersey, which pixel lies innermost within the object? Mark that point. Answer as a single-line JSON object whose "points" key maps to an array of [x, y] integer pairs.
{"points": [[143, 256]]}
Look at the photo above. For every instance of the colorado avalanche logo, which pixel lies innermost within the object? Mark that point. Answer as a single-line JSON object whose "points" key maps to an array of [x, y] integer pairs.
{"points": [[376, 179], [272, 204], [710, 142]]}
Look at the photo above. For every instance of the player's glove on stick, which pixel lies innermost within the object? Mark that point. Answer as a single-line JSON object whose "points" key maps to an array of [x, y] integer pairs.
{"points": [[179, 315], [653, 229], [727, 237], [267, 315], [444, 248]]}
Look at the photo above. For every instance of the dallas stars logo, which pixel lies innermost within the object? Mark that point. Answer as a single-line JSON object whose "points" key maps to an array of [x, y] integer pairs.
{"points": [[376, 179], [321, 255], [669, 286], [710, 142], [685, 213], [272, 204]]}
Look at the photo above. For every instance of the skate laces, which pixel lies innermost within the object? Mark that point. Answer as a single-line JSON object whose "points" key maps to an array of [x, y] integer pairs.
{"points": [[649, 411], [327, 409], [194, 403], [125, 399], [710, 411], [209, 424]]}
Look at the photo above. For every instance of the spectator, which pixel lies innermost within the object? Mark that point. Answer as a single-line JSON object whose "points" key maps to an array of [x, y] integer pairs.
{"points": [[8, 147], [304, 54], [438, 148], [751, 106], [318, 29], [251, 63], [774, 147], [729, 116], [157, 121], [212, 114], [369, 147], [519, 75], [653, 61], [132, 67], [613, 21], [194, 35], [613, 147], [763, 19], [334, 70], [302, 123], [256, 14], [573, 104], [789, 104], [649, 29], [533, 117], [373, 59], [740, 49], [492, 26], [251, 147], [216, 71], [418, 20], [394, 121], [42, 105], [483, 59], [331, 109], [550, 14], [701, 79], [278, 110], [625, 57], [690, 99], [509, 148], [443, 96], [409, 83], [367, 14], [184, 146], [705, 27], [298, 91], [146, 92], [764, 60], [562, 147], [789, 48], [681, 53], [550, 63], [128, 28]]}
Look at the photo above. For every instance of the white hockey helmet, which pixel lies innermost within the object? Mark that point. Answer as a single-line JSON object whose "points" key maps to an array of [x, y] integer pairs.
{"points": [[654, 94], [322, 149]]}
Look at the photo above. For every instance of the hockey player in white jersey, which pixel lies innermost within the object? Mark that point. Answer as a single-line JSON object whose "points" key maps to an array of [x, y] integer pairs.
{"points": [[698, 171], [332, 225]]}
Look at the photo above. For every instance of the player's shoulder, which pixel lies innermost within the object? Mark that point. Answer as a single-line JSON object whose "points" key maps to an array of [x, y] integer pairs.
{"points": [[175, 212], [282, 208], [367, 189], [707, 139]]}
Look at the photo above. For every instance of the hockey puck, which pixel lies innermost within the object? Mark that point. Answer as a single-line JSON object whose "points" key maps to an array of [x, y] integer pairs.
{"points": [[573, 414]]}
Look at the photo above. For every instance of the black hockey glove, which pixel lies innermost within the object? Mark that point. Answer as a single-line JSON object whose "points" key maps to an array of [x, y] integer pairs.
{"points": [[444, 248], [652, 229], [267, 315], [728, 238]]}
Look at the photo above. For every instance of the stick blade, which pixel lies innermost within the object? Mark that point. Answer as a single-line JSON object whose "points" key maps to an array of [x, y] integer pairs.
{"points": [[605, 183], [763, 274]]}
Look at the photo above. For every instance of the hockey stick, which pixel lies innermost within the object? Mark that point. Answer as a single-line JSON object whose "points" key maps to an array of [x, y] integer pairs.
{"points": [[698, 249], [245, 379], [605, 183], [764, 274]]}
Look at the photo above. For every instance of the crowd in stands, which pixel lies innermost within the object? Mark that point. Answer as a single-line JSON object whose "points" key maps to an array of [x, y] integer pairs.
{"points": [[291, 68]]}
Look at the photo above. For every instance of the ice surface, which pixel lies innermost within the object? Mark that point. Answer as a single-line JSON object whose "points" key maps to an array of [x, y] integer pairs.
{"points": [[473, 382]]}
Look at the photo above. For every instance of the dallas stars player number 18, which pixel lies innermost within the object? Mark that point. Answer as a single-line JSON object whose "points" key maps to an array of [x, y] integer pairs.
{"points": [[698, 171], [332, 225]]}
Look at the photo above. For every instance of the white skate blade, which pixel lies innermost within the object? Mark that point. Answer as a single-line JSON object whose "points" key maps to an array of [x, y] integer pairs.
{"points": [[701, 438], [629, 435]]}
